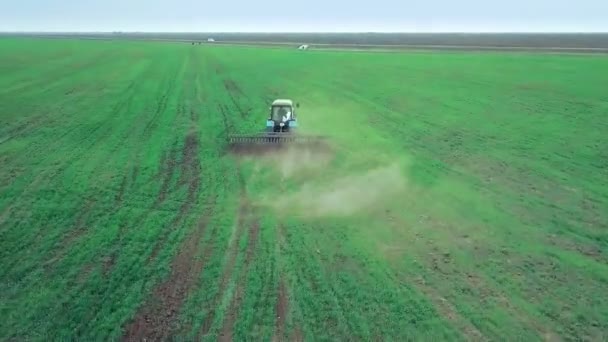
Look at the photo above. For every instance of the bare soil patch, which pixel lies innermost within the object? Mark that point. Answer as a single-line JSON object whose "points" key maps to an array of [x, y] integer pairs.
{"points": [[232, 252], [78, 229], [591, 251], [190, 166], [121, 190], [297, 335], [448, 311], [235, 94], [281, 309], [168, 164], [157, 319], [161, 106], [237, 299], [191, 175]]}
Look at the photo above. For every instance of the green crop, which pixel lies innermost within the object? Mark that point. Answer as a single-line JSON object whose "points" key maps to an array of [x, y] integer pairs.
{"points": [[464, 195]]}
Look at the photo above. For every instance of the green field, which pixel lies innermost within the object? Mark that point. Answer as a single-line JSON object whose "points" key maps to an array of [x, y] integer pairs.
{"points": [[464, 198]]}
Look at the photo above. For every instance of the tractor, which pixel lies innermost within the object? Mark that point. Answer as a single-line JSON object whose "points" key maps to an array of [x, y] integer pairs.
{"points": [[282, 116], [281, 129]]}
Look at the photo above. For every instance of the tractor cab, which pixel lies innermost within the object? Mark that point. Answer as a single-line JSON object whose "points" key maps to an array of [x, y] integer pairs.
{"points": [[282, 116], [281, 121]]}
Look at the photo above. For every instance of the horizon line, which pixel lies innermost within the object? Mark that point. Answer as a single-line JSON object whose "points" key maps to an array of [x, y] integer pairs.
{"points": [[314, 32]]}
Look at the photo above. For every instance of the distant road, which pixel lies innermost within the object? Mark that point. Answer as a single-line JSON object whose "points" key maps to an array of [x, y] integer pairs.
{"points": [[489, 46], [391, 47]]}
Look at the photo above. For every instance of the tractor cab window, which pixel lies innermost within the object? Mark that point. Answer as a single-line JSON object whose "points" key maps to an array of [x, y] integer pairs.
{"points": [[281, 113]]}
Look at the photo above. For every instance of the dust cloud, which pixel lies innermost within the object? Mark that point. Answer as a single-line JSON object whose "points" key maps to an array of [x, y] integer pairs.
{"points": [[295, 161], [344, 195]]}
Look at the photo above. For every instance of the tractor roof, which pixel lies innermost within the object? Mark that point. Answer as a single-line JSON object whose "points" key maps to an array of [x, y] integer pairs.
{"points": [[282, 102]]}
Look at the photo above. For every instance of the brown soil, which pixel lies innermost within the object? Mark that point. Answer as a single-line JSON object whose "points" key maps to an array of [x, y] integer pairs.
{"points": [[227, 274], [236, 94], [167, 169], [231, 316], [108, 263], [134, 173], [232, 87], [297, 335], [228, 124], [442, 264], [447, 310], [23, 129], [157, 318], [232, 254], [110, 260], [190, 166], [121, 190], [591, 251], [78, 229], [281, 309], [161, 106], [85, 272], [191, 175], [282, 305]]}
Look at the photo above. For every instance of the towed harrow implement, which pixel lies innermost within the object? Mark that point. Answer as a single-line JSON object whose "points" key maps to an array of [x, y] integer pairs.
{"points": [[281, 130], [267, 142], [274, 138]]}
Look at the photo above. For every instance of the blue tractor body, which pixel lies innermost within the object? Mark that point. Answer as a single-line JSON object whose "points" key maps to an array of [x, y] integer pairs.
{"points": [[281, 124]]}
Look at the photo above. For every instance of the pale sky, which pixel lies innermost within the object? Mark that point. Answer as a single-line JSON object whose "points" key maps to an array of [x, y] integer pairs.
{"points": [[308, 15]]}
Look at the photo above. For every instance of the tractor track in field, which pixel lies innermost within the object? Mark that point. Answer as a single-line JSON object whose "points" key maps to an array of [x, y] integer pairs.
{"points": [[129, 177], [232, 252], [191, 173], [190, 167], [167, 167], [150, 124], [128, 133], [22, 129], [130, 174], [233, 90], [449, 312], [92, 137], [157, 320], [442, 265], [282, 306], [78, 230], [161, 106], [281, 310], [237, 299], [120, 109], [245, 216], [444, 308], [282, 303], [228, 126], [121, 191], [110, 259], [282, 297], [168, 164], [61, 72], [235, 93], [132, 171]]}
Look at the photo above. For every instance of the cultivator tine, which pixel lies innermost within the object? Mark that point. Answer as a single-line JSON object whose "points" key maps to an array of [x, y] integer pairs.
{"points": [[268, 140]]}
